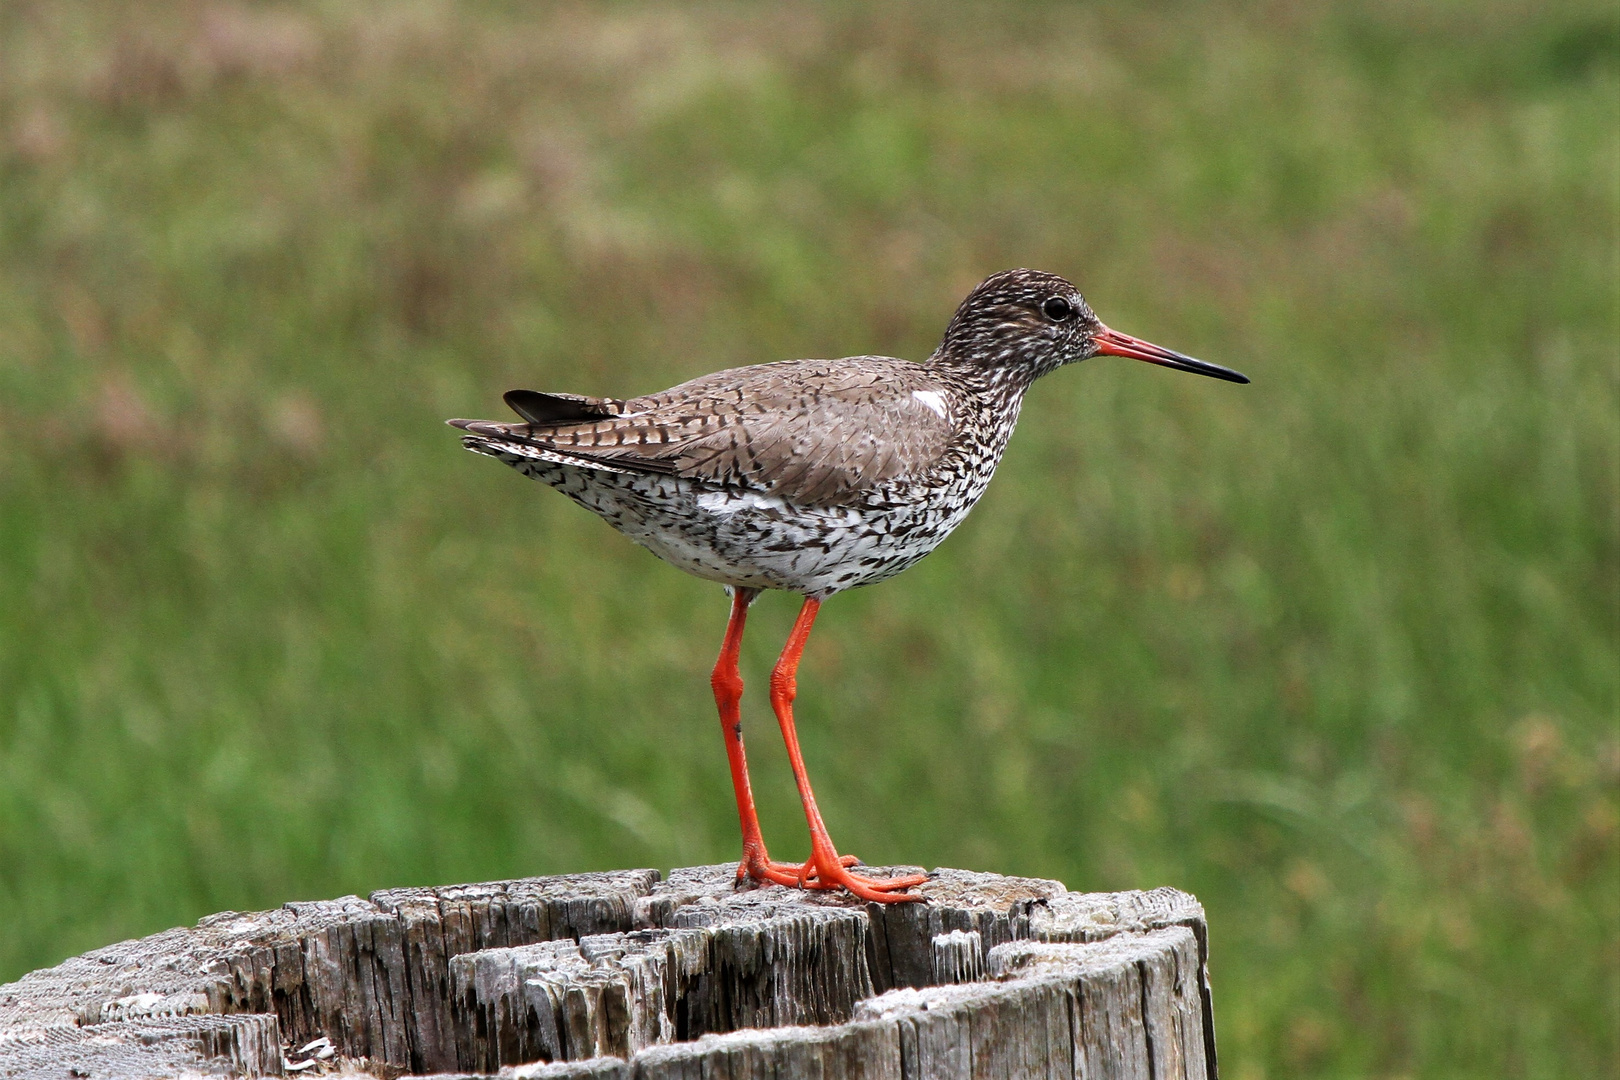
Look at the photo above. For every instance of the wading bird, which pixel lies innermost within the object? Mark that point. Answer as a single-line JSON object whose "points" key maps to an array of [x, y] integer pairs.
{"points": [[811, 476]]}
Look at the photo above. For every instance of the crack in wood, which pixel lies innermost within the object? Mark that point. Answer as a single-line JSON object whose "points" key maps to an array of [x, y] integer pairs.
{"points": [[628, 974]]}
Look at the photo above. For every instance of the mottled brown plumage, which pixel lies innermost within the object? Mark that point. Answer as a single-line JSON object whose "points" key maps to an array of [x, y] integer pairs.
{"points": [[812, 476], [811, 431]]}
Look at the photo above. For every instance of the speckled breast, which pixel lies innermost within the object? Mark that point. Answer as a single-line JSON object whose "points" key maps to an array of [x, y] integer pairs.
{"points": [[746, 538]]}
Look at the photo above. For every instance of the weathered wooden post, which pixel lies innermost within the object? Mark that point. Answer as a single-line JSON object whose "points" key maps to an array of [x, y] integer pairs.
{"points": [[628, 975]]}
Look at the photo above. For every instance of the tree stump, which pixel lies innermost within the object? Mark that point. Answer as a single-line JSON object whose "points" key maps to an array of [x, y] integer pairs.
{"points": [[629, 975]]}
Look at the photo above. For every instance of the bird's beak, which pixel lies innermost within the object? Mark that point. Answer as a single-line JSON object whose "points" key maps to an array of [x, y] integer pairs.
{"points": [[1113, 343]]}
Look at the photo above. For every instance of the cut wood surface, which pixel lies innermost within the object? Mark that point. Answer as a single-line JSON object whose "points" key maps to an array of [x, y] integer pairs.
{"points": [[632, 975]]}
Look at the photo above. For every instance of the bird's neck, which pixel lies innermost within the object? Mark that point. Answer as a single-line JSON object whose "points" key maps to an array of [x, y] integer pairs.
{"points": [[995, 381]]}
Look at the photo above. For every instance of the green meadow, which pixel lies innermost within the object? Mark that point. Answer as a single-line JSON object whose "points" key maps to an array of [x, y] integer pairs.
{"points": [[1336, 651]]}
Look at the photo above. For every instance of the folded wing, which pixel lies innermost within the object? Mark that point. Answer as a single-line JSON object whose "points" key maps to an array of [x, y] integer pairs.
{"points": [[809, 431]]}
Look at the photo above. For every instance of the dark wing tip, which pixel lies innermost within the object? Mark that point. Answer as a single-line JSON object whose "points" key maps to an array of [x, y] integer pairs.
{"points": [[546, 410], [529, 404]]}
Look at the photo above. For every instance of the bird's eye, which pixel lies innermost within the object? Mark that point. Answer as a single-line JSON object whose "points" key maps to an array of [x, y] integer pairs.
{"points": [[1057, 309]]}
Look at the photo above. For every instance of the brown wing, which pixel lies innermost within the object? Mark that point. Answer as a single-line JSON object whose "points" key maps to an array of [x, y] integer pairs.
{"points": [[811, 431]]}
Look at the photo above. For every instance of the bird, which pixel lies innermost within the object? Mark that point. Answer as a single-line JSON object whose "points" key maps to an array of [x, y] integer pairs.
{"points": [[811, 477]]}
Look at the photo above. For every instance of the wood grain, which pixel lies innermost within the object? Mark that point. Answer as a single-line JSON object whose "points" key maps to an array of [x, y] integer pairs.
{"points": [[629, 974]]}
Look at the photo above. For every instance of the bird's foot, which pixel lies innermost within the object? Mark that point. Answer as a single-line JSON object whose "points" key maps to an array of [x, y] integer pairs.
{"points": [[805, 876], [825, 871], [761, 868], [832, 872]]}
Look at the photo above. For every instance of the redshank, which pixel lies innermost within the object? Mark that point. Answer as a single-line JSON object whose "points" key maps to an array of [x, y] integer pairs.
{"points": [[811, 476]]}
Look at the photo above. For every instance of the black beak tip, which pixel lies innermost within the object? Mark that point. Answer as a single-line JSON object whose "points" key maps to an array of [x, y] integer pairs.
{"points": [[1214, 371]]}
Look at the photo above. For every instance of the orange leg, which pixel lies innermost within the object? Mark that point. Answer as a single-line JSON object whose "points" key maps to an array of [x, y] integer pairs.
{"points": [[828, 868], [756, 864]]}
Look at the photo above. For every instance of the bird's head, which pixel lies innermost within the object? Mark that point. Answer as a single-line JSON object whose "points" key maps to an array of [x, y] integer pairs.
{"points": [[1021, 324]]}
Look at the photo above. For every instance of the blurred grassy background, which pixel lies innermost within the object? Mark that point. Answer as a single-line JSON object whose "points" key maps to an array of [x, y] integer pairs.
{"points": [[1336, 651]]}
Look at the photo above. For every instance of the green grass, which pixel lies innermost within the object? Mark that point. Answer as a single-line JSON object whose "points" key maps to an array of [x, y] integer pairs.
{"points": [[1336, 651]]}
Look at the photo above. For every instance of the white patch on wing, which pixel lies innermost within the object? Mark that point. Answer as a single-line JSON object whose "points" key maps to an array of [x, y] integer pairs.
{"points": [[933, 399], [729, 502]]}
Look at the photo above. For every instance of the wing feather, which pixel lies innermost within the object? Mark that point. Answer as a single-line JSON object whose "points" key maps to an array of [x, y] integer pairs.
{"points": [[811, 431]]}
